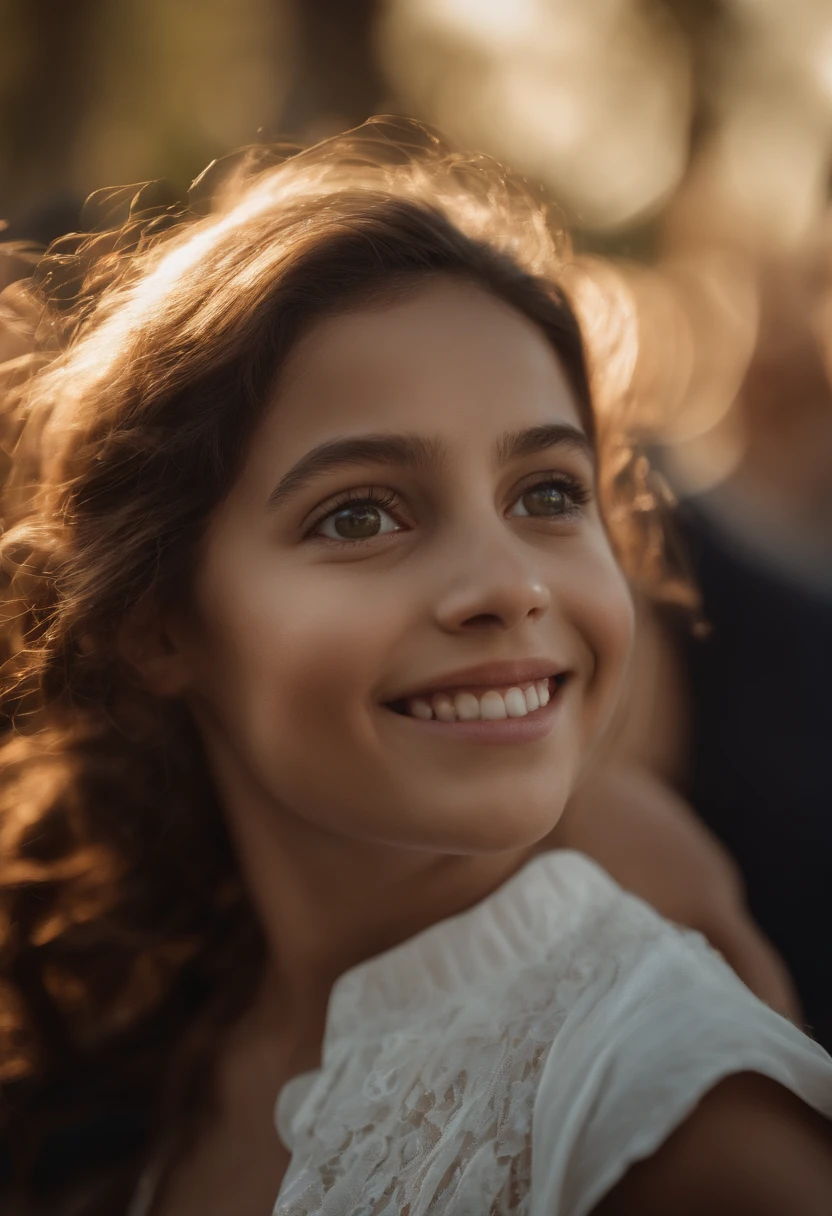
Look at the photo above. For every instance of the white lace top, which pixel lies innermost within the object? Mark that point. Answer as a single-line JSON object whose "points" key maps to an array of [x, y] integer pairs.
{"points": [[519, 1057]]}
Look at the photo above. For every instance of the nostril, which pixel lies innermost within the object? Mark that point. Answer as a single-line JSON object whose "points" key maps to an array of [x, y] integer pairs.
{"points": [[483, 620]]}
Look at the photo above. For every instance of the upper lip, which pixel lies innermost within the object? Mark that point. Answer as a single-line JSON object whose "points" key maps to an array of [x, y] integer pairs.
{"points": [[486, 675]]}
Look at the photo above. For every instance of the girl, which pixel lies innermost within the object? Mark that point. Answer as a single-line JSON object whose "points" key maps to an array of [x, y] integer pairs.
{"points": [[313, 624]]}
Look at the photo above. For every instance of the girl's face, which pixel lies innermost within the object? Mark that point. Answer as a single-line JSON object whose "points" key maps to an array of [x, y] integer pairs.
{"points": [[413, 535]]}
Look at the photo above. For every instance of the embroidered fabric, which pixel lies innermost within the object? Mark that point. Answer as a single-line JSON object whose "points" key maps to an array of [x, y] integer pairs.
{"points": [[387, 1127], [513, 1060]]}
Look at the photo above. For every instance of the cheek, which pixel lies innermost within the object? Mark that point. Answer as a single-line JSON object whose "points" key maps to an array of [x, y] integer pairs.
{"points": [[603, 613], [287, 655]]}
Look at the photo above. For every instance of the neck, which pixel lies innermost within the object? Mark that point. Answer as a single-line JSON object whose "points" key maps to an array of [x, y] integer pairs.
{"points": [[327, 903]]}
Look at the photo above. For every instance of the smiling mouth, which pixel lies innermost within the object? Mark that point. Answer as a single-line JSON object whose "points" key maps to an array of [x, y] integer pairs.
{"points": [[477, 705]]}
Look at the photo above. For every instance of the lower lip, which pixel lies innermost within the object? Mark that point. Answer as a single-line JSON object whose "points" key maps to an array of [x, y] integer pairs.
{"points": [[535, 725]]}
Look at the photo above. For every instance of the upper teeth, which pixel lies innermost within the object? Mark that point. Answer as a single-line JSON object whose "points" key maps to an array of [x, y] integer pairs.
{"points": [[492, 705]]}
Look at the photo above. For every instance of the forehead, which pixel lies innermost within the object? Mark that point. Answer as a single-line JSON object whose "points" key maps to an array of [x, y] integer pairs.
{"points": [[449, 359]]}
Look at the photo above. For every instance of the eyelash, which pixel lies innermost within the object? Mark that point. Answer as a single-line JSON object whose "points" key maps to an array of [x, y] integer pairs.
{"points": [[386, 500]]}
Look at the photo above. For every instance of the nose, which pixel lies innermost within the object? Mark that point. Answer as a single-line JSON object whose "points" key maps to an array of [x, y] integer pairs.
{"points": [[494, 585]]}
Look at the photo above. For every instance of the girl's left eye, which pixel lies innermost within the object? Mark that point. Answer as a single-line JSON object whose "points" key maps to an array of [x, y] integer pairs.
{"points": [[357, 519], [551, 499]]}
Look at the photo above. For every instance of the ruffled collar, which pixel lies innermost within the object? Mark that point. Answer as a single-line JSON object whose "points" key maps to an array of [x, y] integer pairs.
{"points": [[521, 921]]}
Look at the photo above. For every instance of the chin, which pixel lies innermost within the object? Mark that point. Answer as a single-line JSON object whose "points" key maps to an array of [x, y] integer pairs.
{"points": [[499, 829]]}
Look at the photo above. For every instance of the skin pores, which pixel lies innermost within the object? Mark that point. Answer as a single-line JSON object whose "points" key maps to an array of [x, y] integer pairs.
{"points": [[302, 637]]}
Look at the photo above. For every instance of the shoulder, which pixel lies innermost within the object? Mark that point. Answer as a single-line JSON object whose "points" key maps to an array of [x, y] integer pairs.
{"points": [[750, 1146], [652, 844], [646, 1072]]}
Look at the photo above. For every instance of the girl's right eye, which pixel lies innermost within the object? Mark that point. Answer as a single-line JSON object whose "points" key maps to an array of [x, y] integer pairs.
{"points": [[357, 519]]}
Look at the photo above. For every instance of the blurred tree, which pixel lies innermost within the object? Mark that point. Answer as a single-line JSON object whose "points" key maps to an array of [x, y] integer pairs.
{"points": [[96, 93], [336, 81], [46, 91]]}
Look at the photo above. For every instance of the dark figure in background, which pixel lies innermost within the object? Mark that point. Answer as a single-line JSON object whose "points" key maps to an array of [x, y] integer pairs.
{"points": [[761, 714], [761, 732], [739, 721]]}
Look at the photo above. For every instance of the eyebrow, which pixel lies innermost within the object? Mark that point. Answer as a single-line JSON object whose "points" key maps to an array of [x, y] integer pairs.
{"points": [[419, 453]]}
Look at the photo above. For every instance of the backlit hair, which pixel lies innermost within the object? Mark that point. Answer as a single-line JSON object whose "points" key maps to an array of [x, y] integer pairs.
{"points": [[140, 360]]}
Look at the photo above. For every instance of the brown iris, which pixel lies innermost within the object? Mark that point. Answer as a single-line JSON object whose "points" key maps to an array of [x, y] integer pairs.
{"points": [[357, 522], [544, 500]]}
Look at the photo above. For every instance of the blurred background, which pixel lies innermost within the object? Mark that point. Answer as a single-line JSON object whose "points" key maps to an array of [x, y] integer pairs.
{"points": [[688, 145], [620, 106], [617, 105]]}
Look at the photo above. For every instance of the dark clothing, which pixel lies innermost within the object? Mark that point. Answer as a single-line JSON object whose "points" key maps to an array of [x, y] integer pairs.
{"points": [[761, 771]]}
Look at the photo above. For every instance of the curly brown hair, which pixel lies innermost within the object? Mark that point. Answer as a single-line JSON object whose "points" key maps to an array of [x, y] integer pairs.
{"points": [[127, 940]]}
